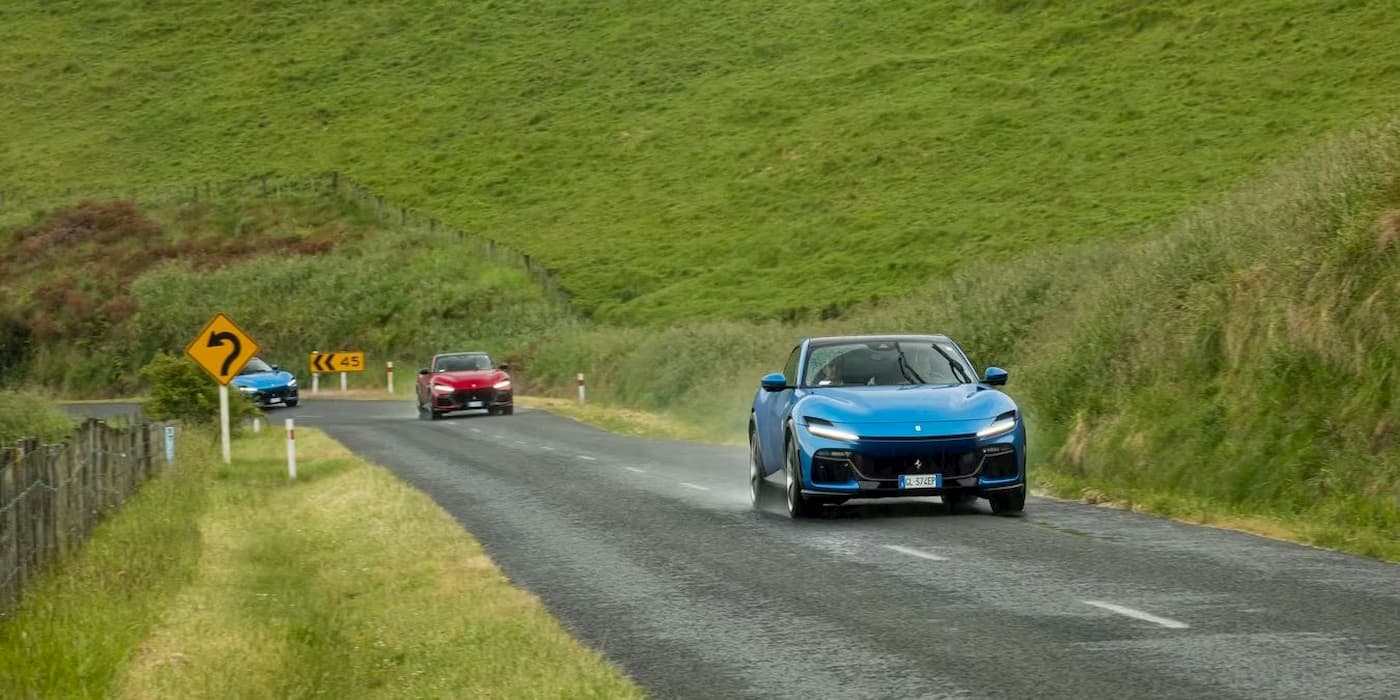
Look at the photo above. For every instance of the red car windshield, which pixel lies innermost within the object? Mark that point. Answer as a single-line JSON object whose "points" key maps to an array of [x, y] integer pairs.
{"points": [[463, 363]]}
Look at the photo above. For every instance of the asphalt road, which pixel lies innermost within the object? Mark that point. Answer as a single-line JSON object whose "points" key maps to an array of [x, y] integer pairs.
{"points": [[650, 552]]}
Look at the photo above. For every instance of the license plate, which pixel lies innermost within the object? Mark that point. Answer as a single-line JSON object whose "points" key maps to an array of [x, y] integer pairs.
{"points": [[920, 481], [274, 400], [473, 404]]}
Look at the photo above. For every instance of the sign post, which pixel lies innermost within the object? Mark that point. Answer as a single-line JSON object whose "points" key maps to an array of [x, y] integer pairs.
{"points": [[315, 377], [291, 450], [221, 350], [339, 361], [169, 445]]}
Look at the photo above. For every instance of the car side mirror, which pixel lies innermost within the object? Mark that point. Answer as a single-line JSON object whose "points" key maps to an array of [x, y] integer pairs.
{"points": [[503, 366], [774, 382], [995, 376], [422, 371], [275, 368]]}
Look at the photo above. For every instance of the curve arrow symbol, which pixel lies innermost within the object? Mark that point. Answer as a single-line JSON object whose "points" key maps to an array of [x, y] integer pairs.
{"points": [[220, 338]]}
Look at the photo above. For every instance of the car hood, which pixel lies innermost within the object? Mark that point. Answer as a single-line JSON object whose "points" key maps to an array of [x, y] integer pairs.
{"points": [[473, 379], [262, 380], [974, 403]]}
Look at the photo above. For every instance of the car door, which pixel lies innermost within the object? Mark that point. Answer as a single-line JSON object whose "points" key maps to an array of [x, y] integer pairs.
{"points": [[772, 414]]}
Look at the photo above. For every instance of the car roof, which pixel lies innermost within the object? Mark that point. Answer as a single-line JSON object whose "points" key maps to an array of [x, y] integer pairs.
{"points": [[459, 354], [832, 339]]}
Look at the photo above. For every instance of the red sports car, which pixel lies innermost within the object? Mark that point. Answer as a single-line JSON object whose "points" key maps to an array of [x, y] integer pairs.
{"points": [[464, 381]]}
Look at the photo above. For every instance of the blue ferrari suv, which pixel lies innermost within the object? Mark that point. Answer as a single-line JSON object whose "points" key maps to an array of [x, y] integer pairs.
{"points": [[887, 416], [267, 385]]}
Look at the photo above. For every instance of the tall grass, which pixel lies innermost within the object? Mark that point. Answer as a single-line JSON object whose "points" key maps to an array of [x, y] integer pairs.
{"points": [[1246, 361], [30, 415]]}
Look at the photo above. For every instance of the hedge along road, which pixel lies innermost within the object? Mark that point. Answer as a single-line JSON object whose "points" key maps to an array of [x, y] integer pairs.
{"points": [[649, 551]]}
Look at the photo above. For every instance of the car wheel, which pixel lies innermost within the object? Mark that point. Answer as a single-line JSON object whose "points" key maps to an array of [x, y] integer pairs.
{"points": [[1009, 503], [434, 415], [755, 469], [293, 403], [797, 505], [957, 501], [509, 410]]}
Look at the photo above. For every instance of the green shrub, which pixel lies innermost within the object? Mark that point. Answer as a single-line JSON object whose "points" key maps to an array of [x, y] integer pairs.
{"points": [[27, 415], [180, 390]]}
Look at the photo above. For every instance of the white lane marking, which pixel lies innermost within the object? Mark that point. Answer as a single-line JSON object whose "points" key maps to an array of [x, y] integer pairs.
{"points": [[476, 430], [697, 487], [591, 459], [546, 448], [915, 552], [635, 470], [1139, 615]]}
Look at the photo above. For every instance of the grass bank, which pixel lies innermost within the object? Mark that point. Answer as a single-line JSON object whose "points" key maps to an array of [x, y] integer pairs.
{"points": [[658, 154], [1245, 363], [346, 583], [90, 293], [31, 415]]}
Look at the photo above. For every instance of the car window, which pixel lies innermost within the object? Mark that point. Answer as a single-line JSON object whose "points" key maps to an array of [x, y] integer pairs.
{"points": [[462, 363], [255, 366], [886, 363], [790, 369]]}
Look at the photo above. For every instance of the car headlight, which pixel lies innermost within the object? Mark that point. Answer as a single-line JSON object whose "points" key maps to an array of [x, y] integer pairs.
{"points": [[1002, 425], [292, 381], [247, 390], [503, 384], [825, 429], [442, 387]]}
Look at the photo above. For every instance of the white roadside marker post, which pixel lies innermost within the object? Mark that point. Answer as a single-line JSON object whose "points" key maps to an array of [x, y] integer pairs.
{"points": [[315, 378], [223, 422], [343, 384], [291, 450], [389, 371], [580, 388], [257, 425]]}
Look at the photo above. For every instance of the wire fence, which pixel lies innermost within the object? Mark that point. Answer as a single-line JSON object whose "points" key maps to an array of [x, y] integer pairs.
{"points": [[52, 496], [16, 205]]}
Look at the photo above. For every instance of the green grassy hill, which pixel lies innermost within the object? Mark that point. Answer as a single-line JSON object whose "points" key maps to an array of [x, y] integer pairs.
{"points": [[90, 293], [668, 157]]}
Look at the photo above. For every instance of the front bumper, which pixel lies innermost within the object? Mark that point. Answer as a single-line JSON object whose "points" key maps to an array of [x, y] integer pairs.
{"points": [[271, 398], [472, 399], [871, 468]]}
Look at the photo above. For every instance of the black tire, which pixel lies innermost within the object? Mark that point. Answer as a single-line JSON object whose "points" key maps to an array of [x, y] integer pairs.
{"points": [[755, 469], [293, 403], [797, 504], [957, 501], [1009, 503], [434, 415], [508, 410]]}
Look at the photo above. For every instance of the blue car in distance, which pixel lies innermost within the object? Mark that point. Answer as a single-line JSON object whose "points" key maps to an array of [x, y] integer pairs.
{"points": [[886, 416], [266, 385]]}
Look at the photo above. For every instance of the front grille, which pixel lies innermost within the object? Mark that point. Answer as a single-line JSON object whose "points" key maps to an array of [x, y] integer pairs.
{"points": [[950, 464], [999, 466], [462, 396], [278, 393]]}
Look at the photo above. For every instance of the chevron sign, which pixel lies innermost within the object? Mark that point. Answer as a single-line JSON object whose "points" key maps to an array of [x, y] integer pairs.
{"points": [[341, 361]]}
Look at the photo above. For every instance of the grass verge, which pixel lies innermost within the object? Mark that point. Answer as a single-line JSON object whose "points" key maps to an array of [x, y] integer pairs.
{"points": [[627, 421], [228, 581], [349, 583], [76, 628]]}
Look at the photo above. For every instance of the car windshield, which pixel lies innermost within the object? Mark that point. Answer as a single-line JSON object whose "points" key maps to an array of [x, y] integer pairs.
{"points": [[255, 366], [886, 363], [463, 363]]}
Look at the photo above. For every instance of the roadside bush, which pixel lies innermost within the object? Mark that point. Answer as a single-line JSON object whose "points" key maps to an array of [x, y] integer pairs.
{"points": [[25, 415], [181, 391]]}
